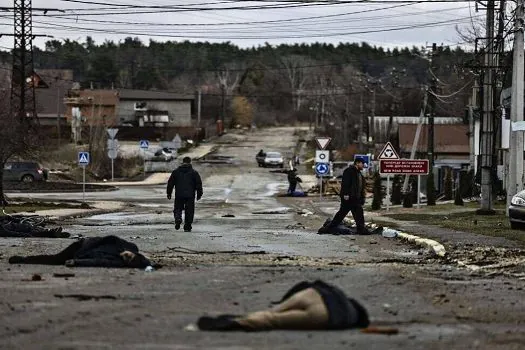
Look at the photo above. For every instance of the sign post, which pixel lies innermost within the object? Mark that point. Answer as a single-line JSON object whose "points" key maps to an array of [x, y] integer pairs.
{"points": [[83, 161], [322, 160], [419, 191], [144, 145], [321, 169], [112, 149], [406, 167], [388, 153]]}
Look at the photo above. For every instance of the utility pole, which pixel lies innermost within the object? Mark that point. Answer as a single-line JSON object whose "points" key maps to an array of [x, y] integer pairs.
{"points": [[361, 117], [487, 134], [372, 119], [223, 103], [431, 188], [58, 114], [515, 183], [199, 99]]}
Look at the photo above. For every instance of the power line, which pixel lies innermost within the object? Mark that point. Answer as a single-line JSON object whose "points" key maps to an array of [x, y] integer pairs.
{"points": [[329, 34]]}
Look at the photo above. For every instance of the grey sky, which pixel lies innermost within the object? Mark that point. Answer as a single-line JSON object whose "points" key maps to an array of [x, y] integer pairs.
{"points": [[441, 18]]}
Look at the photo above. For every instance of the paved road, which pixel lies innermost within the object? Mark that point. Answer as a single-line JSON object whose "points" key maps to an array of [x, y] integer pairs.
{"points": [[241, 263]]}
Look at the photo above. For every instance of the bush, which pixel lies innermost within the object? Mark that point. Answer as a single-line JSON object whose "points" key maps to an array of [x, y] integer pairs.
{"points": [[377, 202]]}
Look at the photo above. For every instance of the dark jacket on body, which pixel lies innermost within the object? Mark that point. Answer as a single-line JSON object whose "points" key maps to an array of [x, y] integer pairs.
{"points": [[186, 181], [344, 312], [353, 184]]}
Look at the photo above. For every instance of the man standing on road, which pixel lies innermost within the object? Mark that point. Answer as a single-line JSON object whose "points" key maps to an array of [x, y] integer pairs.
{"points": [[352, 198], [293, 180], [187, 182]]}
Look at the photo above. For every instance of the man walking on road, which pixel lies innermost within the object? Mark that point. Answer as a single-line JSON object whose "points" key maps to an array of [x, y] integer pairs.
{"points": [[352, 198], [187, 183]]}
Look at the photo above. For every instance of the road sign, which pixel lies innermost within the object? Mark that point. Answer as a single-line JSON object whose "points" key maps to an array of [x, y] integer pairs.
{"points": [[404, 166], [113, 144], [112, 154], [388, 152], [322, 156], [322, 169], [177, 142], [144, 144], [83, 158], [112, 133], [365, 157], [323, 142]]}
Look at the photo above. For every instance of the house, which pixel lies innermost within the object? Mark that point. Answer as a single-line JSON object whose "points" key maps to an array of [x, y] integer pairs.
{"points": [[451, 147], [381, 125], [124, 107], [154, 108]]}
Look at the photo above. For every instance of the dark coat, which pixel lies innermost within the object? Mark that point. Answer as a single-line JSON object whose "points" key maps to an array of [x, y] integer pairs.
{"points": [[293, 178], [353, 184], [186, 181]]}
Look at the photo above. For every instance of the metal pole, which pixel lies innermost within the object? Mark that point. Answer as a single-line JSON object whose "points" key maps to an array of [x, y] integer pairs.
{"points": [[387, 192], [112, 169], [320, 187], [83, 183], [58, 115], [419, 191], [144, 156], [487, 135], [515, 183]]}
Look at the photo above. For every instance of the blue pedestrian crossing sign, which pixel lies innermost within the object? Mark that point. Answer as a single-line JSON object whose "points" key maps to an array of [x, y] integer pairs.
{"points": [[322, 169], [83, 158], [144, 144]]}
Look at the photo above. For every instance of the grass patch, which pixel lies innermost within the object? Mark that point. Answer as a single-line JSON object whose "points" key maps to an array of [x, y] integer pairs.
{"points": [[29, 207], [495, 225]]}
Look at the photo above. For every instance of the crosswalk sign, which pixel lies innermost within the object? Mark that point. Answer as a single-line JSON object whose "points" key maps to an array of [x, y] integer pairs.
{"points": [[83, 158], [144, 144]]}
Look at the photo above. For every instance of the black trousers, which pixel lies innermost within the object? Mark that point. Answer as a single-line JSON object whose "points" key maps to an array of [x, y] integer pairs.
{"points": [[188, 206], [357, 212], [291, 187]]}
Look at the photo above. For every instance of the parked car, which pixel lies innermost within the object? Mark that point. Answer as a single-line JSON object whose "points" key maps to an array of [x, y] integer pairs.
{"points": [[517, 210], [273, 159], [164, 154], [25, 171]]}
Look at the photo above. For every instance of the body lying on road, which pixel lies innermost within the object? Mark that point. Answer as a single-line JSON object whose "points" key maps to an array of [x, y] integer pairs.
{"points": [[306, 306], [107, 251], [23, 227]]}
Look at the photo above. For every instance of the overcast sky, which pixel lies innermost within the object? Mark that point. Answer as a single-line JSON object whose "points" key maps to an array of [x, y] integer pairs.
{"points": [[305, 24]]}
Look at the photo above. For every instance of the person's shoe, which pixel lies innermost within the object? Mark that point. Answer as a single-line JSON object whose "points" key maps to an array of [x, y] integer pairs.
{"points": [[324, 230], [177, 225], [187, 229]]}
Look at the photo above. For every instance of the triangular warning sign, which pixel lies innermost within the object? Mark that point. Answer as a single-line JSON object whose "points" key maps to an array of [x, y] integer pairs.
{"points": [[388, 152], [323, 142]]}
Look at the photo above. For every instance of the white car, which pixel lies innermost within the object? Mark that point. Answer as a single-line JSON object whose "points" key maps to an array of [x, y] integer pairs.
{"points": [[274, 159]]}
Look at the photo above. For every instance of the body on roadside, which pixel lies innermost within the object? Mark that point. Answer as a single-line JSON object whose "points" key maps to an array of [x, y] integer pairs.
{"points": [[188, 185]]}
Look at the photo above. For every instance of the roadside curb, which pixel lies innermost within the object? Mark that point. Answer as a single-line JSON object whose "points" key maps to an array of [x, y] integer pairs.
{"points": [[436, 247]]}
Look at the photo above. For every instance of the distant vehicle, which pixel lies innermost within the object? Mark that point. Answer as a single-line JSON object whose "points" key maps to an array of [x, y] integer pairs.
{"points": [[25, 172], [517, 211], [273, 159], [165, 154]]}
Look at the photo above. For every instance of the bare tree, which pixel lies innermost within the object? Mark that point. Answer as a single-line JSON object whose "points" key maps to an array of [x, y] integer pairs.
{"points": [[296, 73]]}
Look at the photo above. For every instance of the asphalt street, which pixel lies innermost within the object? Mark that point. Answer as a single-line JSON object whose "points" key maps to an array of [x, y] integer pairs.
{"points": [[247, 248]]}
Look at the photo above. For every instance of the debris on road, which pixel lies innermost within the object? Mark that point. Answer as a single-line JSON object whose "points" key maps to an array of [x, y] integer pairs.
{"points": [[306, 306], [228, 216], [63, 275], [380, 330], [36, 277], [282, 210], [108, 251], [85, 297], [297, 226], [21, 226]]}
